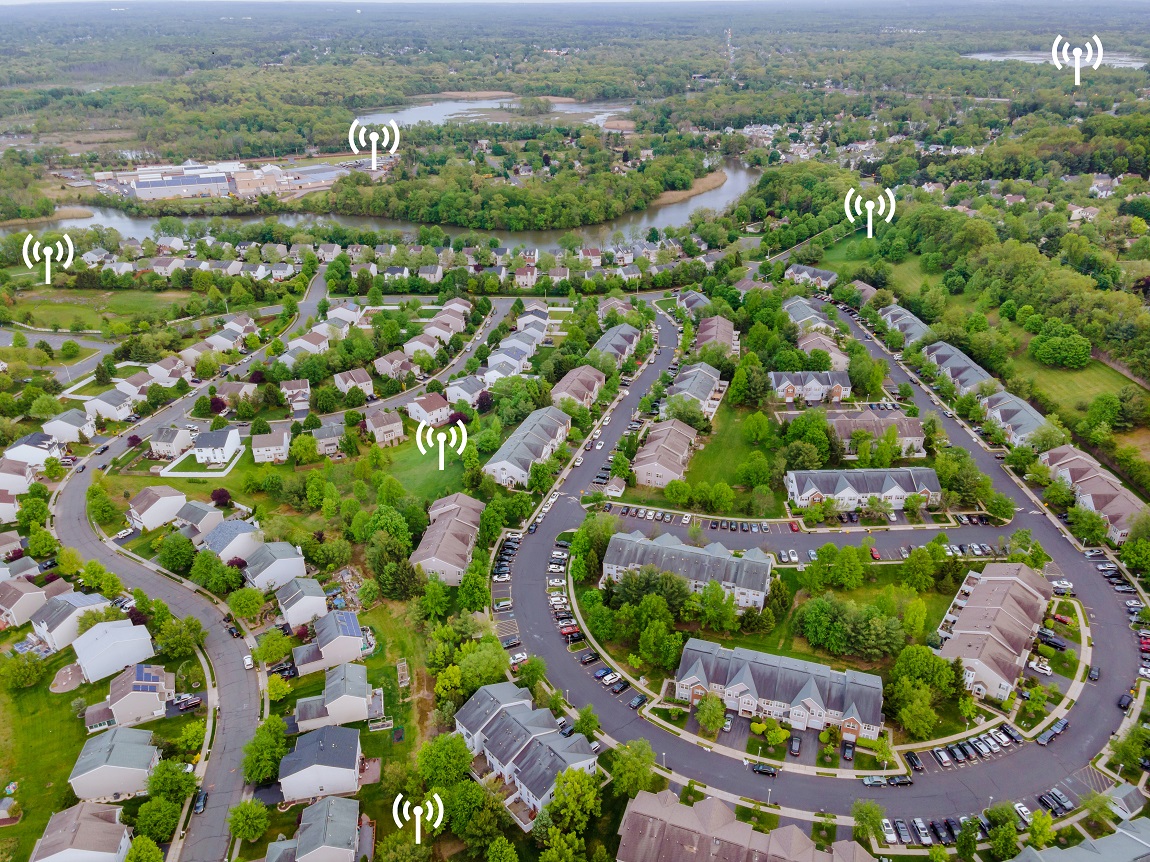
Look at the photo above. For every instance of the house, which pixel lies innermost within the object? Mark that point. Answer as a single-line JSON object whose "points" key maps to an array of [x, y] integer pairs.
{"points": [[327, 252], [347, 698], [301, 601], [700, 383], [232, 540], [521, 745], [169, 370], [105, 648], [991, 624], [446, 546], [271, 448], [356, 378], [395, 365], [230, 268], [155, 506], [1078, 213], [657, 826], [800, 274], [393, 272], [425, 343], [665, 453], [803, 694], [136, 386], [618, 342], [582, 385], [525, 277], [57, 621], [440, 329], [911, 436], [960, 369], [459, 305], [385, 426], [297, 393], [166, 266], [328, 832], [197, 519], [865, 291], [817, 339], [851, 489], [137, 694], [223, 341], [611, 303], [535, 440], [805, 316], [9, 507], [233, 391], [431, 408], [10, 542], [95, 256], [21, 567], [16, 477], [1095, 488], [328, 438], [432, 274], [314, 341], [35, 449], [1016, 417], [282, 271], [21, 598], [338, 639], [217, 447], [86, 832], [717, 331], [71, 426], [299, 250], [170, 243], [1127, 843], [169, 442], [693, 301], [559, 273], [272, 565], [592, 256], [113, 404], [898, 318], [324, 762], [114, 763], [191, 354], [810, 386], [467, 389]]}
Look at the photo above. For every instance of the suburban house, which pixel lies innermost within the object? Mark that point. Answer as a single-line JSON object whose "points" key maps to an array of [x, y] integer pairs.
{"points": [[57, 621], [9, 507], [898, 318], [395, 365], [692, 302], [327, 252], [105, 648], [700, 383], [301, 601], [803, 694], [1127, 843], [217, 447], [356, 378], [432, 274], [271, 448], [197, 519], [16, 477], [465, 389], [35, 449], [963, 372], [233, 540], [665, 453], [385, 427], [816, 339], [866, 292], [137, 694], [113, 404], [446, 546], [1016, 417], [991, 624], [719, 331], [192, 354], [657, 826], [1095, 488], [297, 393], [618, 341], [86, 832], [165, 266], [272, 565], [850, 489], [171, 442], [431, 408], [328, 832], [328, 438], [520, 744], [535, 440], [324, 762], [747, 578], [581, 385], [611, 303], [347, 698], [10, 542], [805, 316], [800, 274], [21, 598], [168, 371], [223, 341], [338, 639], [318, 340], [810, 386], [70, 426], [136, 386], [155, 506], [911, 436], [114, 763], [421, 342]]}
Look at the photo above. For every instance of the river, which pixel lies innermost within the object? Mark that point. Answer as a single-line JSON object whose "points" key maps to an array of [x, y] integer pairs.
{"points": [[739, 179], [480, 110]]}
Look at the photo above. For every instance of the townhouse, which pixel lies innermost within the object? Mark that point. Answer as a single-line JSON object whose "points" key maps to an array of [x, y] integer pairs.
{"points": [[700, 383], [898, 318], [535, 440], [665, 453], [805, 316], [618, 342], [1016, 417], [582, 385], [966, 375], [693, 302], [70, 426], [851, 489], [1095, 488], [611, 303], [447, 544], [717, 331], [822, 278], [810, 387], [911, 436], [817, 339]]}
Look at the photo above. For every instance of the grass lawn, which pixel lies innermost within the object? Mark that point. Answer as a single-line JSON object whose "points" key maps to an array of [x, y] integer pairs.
{"points": [[417, 472], [761, 821], [1068, 836], [94, 388], [691, 794], [823, 834], [757, 746], [1069, 632], [51, 306], [1065, 663], [672, 715], [1073, 389], [280, 823], [906, 277]]}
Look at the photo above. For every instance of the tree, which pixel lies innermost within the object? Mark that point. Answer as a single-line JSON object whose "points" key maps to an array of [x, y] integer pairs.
{"points": [[443, 760], [96, 577], [273, 646], [575, 802], [634, 768], [966, 842], [1004, 842], [69, 561], [936, 853], [914, 618], [587, 723], [192, 736], [246, 602], [41, 543], [169, 780], [44, 407], [248, 820], [304, 449], [710, 712], [176, 553], [756, 428], [262, 755], [532, 672], [278, 687], [501, 850], [474, 594], [157, 819], [23, 670], [1087, 525], [1127, 750], [179, 638], [1041, 829], [1096, 805], [436, 600], [144, 849], [868, 816]]}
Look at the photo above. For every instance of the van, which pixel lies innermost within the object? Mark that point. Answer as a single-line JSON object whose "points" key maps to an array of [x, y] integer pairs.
{"points": [[595, 746], [503, 605]]}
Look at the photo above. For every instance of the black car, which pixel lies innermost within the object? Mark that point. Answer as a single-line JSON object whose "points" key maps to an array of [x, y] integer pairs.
{"points": [[283, 665], [562, 543], [234, 632], [288, 673], [101, 450], [201, 802], [796, 745], [576, 637], [900, 781], [567, 731], [956, 753], [637, 701], [619, 687], [508, 643], [1047, 801], [714, 525], [1014, 735], [940, 831], [968, 750], [1125, 701], [764, 769], [48, 564], [588, 657], [848, 751], [531, 527], [914, 762]]}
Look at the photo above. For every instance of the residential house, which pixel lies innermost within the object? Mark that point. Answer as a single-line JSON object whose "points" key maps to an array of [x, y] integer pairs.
{"points": [[618, 342], [223, 341], [301, 601], [898, 318], [582, 385], [241, 323], [347, 698], [233, 391], [166, 266], [217, 447], [327, 252], [314, 342], [385, 426], [1095, 488], [105, 648], [851, 489], [338, 639], [282, 271], [21, 598], [9, 507], [800, 274], [10, 542], [57, 621], [328, 832], [139, 693], [114, 763], [963, 372], [991, 624], [700, 383], [298, 250], [170, 442], [593, 256], [171, 243], [665, 453], [911, 436], [446, 546], [459, 306], [395, 365], [425, 343], [431, 408], [804, 694], [230, 268], [1127, 843], [432, 274], [1016, 417], [356, 378], [272, 565], [611, 303], [467, 389], [168, 371], [324, 762], [393, 272], [71, 426], [818, 340], [1079, 213], [865, 291], [191, 354], [810, 386], [155, 506], [16, 477], [535, 440], [717, 331], [525, 277], [232, 540], [693, 301], [271, 448], [297, 393], [198, 519], [136, 386], [806, 317], [558, 274], [328, 438], [86, 832], [113, 404], [35, 449]]}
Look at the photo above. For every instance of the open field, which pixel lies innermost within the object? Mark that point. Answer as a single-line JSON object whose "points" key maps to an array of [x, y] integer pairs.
{"points": [[1072, 389], [51, 306]]}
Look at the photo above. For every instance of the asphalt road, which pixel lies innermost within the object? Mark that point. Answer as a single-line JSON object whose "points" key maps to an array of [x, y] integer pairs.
{"points": [[1018, 775]]}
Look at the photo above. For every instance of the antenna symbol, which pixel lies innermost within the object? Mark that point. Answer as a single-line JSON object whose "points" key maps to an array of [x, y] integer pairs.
{"points": [[426, 438], [884, 212], [1092, 59], [431, 811], [387, 139], [45, 253]]}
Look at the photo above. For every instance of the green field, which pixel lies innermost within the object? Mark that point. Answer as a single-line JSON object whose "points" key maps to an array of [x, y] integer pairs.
{"points": [[57, 307], [906, 277]]}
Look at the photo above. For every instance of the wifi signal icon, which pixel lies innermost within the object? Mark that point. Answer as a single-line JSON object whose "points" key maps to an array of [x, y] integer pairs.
{"points": [[871, 206], [388, 139], [431, 811], [1079, 60], [426, 438], [46, 252]]}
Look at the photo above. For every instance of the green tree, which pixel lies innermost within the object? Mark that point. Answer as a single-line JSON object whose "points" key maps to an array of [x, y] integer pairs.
{"points": [[176, 553], [443, 760], [69, 561], [531, 672], [248, 820], [634, 767], [169, 780], [157, 819], [144, 849], [756, 428], [262, 755], [710, 712], [180, 638], [246, 603], [868, 816], [1004, 842], [192, 736], [501, 850], [436, 600], [587, 723], [278, 687], [23, 670], [937, 853], [967, 841], [575, 802], [474, 594], [273, 646], [1041, 829], [304, 449]]}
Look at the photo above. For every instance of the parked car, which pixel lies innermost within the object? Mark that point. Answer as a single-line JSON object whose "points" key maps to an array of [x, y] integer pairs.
{"points": [[201, 802], [848, 751], [888, 833], [913, 759], [796, 745], [728, 722], [941, 756], [589, 657], [619, 687], [765, 769], [637, 701], [609, 679], [903, 832], [873, 781], [900, 781]]}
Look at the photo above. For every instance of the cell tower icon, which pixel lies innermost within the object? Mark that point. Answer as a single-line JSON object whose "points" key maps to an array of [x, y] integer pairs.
{"points": [[455, 439], [885, 212]]}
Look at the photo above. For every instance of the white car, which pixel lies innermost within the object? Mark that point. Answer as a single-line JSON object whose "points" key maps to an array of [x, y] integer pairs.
{"points": [[610, 679], [793, 555], [1144, 672], [554, 497], [596, 433], [579, 461], [1062, 584], [501, 579], [559, 555], [1041, 667], [1134, 603], [599, 445], [606, 421], [650, 514], [518, 657], [1023, 812], [556, 582], [123, 534], [557, 570], [686, 519], [888, 832], [248, 662]]}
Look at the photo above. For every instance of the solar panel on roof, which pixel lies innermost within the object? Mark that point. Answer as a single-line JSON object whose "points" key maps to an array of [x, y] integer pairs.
{"points": [[347, 624]]}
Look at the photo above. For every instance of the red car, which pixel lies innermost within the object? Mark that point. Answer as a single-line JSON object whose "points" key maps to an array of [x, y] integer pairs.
{"points": [[874, 554], [568, 630], [1062, 618], [794, 527]]}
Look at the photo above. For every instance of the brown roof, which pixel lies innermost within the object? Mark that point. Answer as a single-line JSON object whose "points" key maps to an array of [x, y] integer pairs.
{"points": [[87, 826], [578, 383], [152, 495]]}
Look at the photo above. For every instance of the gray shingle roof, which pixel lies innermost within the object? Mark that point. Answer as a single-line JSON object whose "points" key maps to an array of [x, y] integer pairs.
{"points": [[267, 554], [752, 571], [334, 625], [695, 381], [487, 701], [225, 533], [124, 747], [831, 483], [166, 434], [910, 326], [1010, 410], [332, 822], [540, 763], [963, 370], [296, 589], [213, 439], [73, 417], [617, 340], [334, 746], [53, 612], [528, 442], [195, 511]]}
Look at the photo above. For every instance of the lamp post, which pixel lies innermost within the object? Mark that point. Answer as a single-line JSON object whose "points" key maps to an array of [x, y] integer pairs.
{"points": [[664, 760], [769, 797]]}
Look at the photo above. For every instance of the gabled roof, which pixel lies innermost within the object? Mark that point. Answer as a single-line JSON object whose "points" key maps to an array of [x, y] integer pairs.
{"points": [[268, 554], [486, 702], [58, 609], [90, 827], [73, 417], [334, 746], [752, 571], [214, 439], [225, 533], [150, 496], [296, 589], [123, 747], [332, 822], [334, 625]]}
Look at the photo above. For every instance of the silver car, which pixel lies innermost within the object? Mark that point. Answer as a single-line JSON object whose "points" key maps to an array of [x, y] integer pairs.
{"points": [[793, 555]]}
